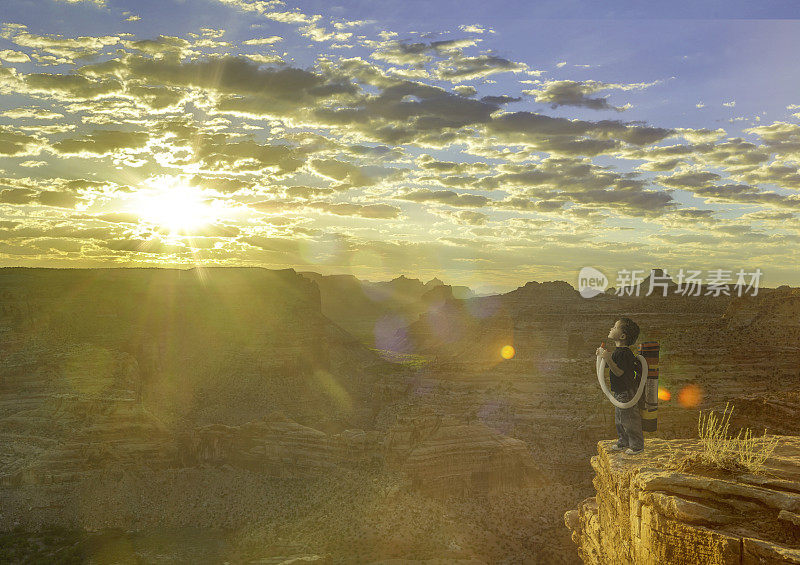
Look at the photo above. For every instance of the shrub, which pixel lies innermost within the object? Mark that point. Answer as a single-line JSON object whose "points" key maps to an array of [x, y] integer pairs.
{"points": [[742, 452], [719, 451]]}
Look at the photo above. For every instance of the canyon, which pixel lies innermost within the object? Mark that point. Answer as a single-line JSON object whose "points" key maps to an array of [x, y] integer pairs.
{"points": [[246, 414]]}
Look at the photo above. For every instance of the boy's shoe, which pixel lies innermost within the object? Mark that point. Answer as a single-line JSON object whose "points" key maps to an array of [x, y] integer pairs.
{"points": [[618, 447], [631, 451]]}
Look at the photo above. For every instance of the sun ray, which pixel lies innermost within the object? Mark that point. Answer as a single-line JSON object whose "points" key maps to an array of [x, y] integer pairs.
{"points": [[174, 206]]}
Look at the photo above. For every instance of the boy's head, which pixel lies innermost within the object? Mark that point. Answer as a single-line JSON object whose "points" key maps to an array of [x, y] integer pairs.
{"points": [[624, 330]]}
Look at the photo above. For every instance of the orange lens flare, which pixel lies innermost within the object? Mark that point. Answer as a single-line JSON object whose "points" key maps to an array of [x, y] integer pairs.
{"points": [[690, 396], [664, 394], [507, 352]]}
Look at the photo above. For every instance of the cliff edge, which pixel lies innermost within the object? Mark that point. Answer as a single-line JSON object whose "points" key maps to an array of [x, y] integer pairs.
{"points": [[647, 510]]}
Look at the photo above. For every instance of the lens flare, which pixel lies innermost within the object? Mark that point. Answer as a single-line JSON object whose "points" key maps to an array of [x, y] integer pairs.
{"points": [[664, 394], [690, 396], [507, 352]]}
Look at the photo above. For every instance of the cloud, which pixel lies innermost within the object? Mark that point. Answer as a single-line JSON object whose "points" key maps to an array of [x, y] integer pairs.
{"points": [[26, 196], [318, 33], [32, 113], [263, 40], [97, 3], [110, 217], [465, 90], [15, 143], [155, 97], [152, 246], [576, 93], [14, 56], [101, 142], [747, 194], [475, 28], [630, 202], [445, 197], [347, 173], [418, 54], [71, 87], [67, 49], [17, 196], [254, 128], [371, 211], [58, 199], [571, 136], [689, 179], [217, 153], [267, 9], [459, 68], [770, 215], [306, 192], [469, 217]]}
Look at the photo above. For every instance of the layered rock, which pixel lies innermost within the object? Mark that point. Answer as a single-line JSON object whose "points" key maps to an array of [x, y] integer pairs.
{"points": [[280, 447], [67, 411], [436, 456], [445, 457], [647, 510]]}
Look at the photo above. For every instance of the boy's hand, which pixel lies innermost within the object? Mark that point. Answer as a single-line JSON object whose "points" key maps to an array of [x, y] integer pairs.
{"points": [[604, 353]]}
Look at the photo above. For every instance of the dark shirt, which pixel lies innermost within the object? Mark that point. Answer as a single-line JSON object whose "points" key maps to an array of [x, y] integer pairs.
{"points": [[625, 359]]}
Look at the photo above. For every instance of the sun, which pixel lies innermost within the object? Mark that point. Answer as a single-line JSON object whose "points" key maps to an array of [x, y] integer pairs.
{"points": [[174, 206]]}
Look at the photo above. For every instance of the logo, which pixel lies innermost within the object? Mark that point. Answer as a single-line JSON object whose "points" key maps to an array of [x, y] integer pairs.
{"points": [[591, 282]]}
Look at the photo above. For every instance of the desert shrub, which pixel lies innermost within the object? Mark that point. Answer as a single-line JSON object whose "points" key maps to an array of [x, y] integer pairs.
{"points": [[754, 451], [741, 452], [719, 451]]}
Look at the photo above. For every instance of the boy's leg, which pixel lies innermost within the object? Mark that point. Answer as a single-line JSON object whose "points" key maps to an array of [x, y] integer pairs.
{"points": [[622, 437], [632, 424]]}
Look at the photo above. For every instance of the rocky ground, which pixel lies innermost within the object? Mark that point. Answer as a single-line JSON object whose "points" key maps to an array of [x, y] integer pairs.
{"points": [[648, 509]]}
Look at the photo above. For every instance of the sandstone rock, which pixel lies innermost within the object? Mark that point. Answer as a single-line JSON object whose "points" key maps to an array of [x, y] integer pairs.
{"points": [[789, 517], [647, 513], [455, 458], [278, 446]]}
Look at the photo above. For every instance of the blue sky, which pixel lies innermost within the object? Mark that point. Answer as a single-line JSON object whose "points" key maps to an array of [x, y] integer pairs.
{"points": [[535, 138]]}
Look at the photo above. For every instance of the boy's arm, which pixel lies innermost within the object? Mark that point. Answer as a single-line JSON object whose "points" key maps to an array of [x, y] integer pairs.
{"points": [[607, 356], [614, 367]]}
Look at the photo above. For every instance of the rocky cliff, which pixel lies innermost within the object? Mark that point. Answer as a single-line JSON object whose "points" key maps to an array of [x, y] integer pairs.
{"points": [[376, 311], [647, 510], [112, 368], [552, 320], [212, 345]]}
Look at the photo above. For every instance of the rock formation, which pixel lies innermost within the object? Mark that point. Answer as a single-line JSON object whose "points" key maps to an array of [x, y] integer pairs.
{"points": [[647, 511], [213, 345], [376, 311], [279, 447], [551, 319], [442, 456]]}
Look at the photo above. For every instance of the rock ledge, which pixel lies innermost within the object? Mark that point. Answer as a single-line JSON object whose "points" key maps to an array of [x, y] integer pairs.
{"points": [[645, 511]]}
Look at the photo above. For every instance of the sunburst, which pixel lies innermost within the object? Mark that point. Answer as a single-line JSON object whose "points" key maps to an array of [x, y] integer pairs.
{"points": [[174, 206]]}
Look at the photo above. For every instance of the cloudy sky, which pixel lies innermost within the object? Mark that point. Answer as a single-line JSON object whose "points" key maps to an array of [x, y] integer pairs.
{"points": [[488, 145]]}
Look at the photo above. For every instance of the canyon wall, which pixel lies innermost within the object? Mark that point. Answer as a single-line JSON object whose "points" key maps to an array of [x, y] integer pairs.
{"points": [[648, 511]]}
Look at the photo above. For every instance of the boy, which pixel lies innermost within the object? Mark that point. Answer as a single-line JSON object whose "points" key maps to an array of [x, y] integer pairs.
{"points": [[620, 363]]}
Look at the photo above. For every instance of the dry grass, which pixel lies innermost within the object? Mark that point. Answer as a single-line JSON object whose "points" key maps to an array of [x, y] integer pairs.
{"points": [[743, 452]]}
